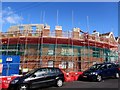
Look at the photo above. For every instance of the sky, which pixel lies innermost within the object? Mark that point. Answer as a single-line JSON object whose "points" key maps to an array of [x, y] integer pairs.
{"points": [[88, 16]]}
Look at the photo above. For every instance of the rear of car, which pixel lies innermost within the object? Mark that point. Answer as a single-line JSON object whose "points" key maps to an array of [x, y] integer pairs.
{"points": [[38, 78]]}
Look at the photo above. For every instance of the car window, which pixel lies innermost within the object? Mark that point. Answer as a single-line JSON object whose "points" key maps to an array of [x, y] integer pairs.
{"points": [[109, 65], [103, 67], [58, 71], [39, 73], [95, 67], [31, 72], [51, 71], [44, 69]]}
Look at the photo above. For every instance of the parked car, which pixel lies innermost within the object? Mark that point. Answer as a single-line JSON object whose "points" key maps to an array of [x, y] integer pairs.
{"points": [[38, 78], [100, 71]]}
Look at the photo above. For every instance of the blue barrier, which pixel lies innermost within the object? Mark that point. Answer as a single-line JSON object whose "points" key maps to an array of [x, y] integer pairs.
{"points": [[10, 65]]}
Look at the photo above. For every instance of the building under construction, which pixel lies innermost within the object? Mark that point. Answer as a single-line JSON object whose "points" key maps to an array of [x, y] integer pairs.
{"points": [[73, 50]]}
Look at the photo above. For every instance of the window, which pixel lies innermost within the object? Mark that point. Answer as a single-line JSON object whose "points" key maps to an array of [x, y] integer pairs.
{"points": [[96, 52], [51, 50], [103, 67], [109, 65], [67, 51], [58, 71], [70, 64], [63, 64], [34, 28], [50, 71], [39, 73], [50, 63], [21, 28]]}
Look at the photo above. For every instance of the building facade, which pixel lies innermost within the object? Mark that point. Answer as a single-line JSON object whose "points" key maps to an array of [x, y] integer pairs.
{"points": [[73, 50]]}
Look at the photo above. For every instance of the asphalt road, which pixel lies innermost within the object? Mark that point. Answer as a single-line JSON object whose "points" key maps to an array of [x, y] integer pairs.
{"points": [[86, 85], [107, 83]]}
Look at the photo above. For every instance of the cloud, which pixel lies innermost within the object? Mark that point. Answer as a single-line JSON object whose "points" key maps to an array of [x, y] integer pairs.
{"points": [[9, 16]]}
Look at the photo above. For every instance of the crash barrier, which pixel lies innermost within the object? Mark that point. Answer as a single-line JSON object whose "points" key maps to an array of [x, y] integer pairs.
{"points": [[5, 80], [71, 76]]}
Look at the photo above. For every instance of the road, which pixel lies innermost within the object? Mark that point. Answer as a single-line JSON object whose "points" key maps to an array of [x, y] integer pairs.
{"points": [[107, 83], [86, 85]]}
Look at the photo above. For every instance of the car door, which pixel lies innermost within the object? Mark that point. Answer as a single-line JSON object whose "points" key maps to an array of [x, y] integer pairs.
{"points": [[37, 79], [50, 76], [112, 69], [104, 70]]}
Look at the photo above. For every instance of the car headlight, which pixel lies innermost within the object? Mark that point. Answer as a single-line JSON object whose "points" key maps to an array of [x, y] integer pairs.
{"points": [[14, 81], [93, 73]]}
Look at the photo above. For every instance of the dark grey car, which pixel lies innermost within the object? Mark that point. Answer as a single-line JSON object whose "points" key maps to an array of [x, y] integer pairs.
{"points": [[100, 71], [38, 78]]}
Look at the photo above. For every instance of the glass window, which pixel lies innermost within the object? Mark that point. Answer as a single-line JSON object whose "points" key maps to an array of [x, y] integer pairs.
{"points": [[57, 71], [103, 67], [50, 63], [39, 73], [51, 70], [51, 50], [63, 65], [66, 51], [70, 64], [109, 65], [96, 52], [96, 67], [34, 28]]}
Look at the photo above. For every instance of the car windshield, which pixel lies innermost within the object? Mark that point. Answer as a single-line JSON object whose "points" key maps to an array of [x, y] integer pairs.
{"points": [[96, 67], [31, 72]]}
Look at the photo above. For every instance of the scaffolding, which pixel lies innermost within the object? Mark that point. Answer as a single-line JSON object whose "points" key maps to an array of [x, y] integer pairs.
{"points": [[70, 51]]}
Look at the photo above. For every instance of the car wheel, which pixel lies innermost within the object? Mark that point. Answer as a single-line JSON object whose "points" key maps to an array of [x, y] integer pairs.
{"points": [[59, 83], [99, 78], [23, 87], [117, 75]]}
